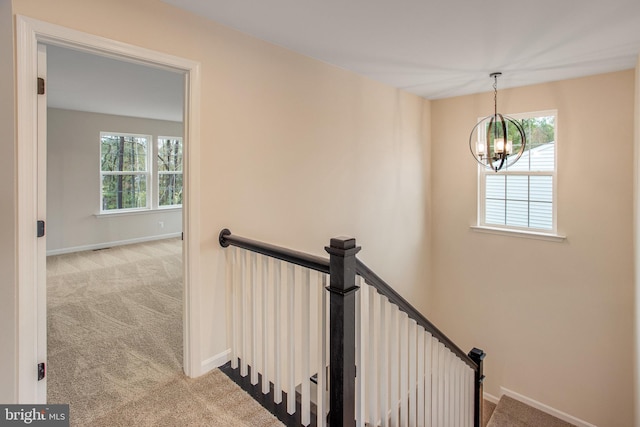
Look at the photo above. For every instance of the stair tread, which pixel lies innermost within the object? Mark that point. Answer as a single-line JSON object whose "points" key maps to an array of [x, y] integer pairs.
{"points": [[512, 413]]}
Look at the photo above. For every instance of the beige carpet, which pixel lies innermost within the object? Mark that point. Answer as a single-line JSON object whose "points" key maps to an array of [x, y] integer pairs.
{"points": [[115, 344], [513, 413], [487, 411]]}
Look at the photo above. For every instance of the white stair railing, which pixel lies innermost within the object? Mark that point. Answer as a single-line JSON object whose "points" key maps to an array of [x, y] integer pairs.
{"points": [[289, 319], [407, 376], [278, 330]]}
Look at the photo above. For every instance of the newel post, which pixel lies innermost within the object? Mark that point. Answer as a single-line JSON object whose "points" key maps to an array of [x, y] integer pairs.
{"points": [[478, 356], [342, 331]]}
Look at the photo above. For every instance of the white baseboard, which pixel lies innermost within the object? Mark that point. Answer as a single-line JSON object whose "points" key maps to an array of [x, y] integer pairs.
{"points": [[96, 246], [215, 361], [491, 398], [545, 408]]}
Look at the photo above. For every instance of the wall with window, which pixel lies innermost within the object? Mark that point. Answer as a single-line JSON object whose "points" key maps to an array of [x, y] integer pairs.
{"points": [[555, 317], [74, 221]]}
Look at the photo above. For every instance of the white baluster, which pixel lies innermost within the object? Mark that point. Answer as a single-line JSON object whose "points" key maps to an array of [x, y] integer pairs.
{"points": [[441, 380], [255, 296], [465, 402], [235, 286], [428, 360], [462, 396], [244, 351], [412, 373], [277, 326], [361, 346], [265, 338], [421, 378], [306, 344], [447, 384], [452, 389], [394, 365], [455, 388], [435, 379], [463, 393], [291, 377], [372, 380], [383, 362], [322, 360], [228, 256], [404, 369], [471, 382]]}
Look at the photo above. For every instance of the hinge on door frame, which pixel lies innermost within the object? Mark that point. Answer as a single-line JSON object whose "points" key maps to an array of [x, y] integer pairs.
{"points": [[41, 371], [40, 228], [40, 86]]}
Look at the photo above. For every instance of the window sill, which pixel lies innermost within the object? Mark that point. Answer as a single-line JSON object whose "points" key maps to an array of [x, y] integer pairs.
{"points": [[136, 212], [519, 233]]}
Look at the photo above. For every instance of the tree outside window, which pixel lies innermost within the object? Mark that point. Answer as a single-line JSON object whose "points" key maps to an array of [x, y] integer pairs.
{"points": [[169, 162], [124, 170], [131, 181]]}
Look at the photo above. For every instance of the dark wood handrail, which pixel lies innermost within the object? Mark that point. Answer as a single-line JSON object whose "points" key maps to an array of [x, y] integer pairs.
{"points": [[383, 288], [299, 258]]}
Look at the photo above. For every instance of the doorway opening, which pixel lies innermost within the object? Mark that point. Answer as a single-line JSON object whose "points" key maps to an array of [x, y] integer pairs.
{"points": [[114, 262], [32, 324]]}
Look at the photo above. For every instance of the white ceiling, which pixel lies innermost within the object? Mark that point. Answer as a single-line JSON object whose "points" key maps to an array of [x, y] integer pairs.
{"points": [[433, 48], [86, 82], [444, 48]]}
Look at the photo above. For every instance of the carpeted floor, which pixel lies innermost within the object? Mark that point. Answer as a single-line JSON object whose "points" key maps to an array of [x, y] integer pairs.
{"points": [[115, 344], [513, 413], [487, 410]]}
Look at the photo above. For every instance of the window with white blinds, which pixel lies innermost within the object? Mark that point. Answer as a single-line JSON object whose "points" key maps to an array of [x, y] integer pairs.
{"points": [[522, 197]]}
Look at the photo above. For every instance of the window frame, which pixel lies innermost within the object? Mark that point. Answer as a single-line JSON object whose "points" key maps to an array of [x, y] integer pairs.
{"points": [[484, 172], [157, 172], [146, 173]]}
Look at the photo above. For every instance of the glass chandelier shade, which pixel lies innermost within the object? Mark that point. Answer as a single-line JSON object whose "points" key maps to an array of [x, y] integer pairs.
{"points": [[497, 141]]}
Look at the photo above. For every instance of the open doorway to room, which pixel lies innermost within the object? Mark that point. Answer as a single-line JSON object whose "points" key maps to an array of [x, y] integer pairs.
{"points": [[114, 226], [31, 159]]}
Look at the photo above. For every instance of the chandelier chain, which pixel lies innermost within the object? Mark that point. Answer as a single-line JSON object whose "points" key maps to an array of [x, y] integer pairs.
{"points": [[495, 94]]}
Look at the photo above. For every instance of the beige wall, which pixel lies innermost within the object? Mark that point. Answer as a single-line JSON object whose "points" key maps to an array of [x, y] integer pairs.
{"points": [[8, 312], [556, 319], [293, 151], [73, 183]]}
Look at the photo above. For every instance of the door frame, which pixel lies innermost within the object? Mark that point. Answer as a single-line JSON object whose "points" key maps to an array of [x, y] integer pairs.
{"points": [[31, 346]]}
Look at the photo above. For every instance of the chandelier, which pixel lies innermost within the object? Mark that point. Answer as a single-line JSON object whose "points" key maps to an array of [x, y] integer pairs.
{"points": [[497, 141]]}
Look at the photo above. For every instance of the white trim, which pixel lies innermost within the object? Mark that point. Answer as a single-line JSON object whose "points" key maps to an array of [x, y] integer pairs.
{"points": [[216, 361], [111, 244], [27, 253], [191, 221], [30, 32], [545, 408], [127, 212], [41, 242], [519, 233], [490, 397]]}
